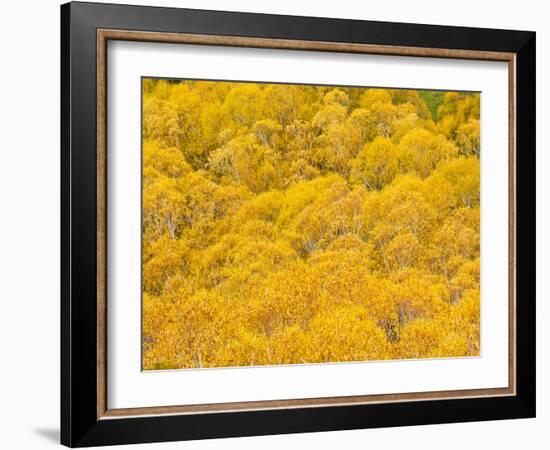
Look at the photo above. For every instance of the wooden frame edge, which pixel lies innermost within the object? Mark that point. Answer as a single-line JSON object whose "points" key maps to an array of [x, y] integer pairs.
{"points": [[103, 35], [212, 408], [288, 44], [101, 225]]}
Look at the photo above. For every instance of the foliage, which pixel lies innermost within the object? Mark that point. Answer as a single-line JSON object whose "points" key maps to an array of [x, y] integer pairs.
{"points": [[432, 99], [298, 224]]}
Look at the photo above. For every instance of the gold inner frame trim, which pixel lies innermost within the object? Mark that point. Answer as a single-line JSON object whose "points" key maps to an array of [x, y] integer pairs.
{"points": [[103, 36]]}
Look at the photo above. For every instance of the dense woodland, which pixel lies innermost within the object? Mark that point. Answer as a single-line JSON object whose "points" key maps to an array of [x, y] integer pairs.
{"points": [[298, 224]]}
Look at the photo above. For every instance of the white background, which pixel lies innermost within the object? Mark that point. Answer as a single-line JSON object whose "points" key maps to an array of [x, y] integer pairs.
{"points": [[29, 229], [129, 387]]}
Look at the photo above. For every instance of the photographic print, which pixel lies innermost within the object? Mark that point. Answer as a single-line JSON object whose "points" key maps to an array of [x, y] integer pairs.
{"points": [[273, 232], [300, 224]]}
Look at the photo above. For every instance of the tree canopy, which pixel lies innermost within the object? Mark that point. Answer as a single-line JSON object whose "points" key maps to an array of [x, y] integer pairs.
{"points": [[299, 224]]}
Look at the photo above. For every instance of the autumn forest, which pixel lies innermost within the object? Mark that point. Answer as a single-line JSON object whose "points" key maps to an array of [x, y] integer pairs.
{"points": [[293, 224]]}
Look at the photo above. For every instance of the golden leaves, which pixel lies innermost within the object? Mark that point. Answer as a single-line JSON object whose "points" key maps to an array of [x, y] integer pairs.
{"points": [[299, 224]]}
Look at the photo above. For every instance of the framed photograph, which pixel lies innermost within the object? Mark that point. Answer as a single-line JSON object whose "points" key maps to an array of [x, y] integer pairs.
{"points": [[277, 224]]}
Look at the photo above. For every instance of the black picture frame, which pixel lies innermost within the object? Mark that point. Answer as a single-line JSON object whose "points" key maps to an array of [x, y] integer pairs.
{"points": [[80, 425]]}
